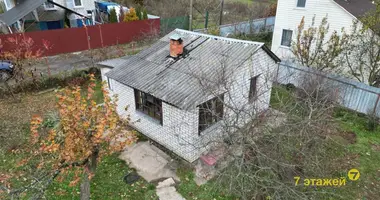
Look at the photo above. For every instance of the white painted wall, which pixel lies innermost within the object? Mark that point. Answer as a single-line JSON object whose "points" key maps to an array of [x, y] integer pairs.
{"points": [[288, 16], [86, 5], [179, 132]]}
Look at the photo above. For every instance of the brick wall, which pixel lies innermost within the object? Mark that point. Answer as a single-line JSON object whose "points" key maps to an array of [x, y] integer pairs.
{"points": [[179, 132]]}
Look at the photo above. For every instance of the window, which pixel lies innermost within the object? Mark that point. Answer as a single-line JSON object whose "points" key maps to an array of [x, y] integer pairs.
{"points": [[8, 4], [109, 84], [301, 3], [49, 6], [77, 3], [286, 37], [253, 89], [210, 112], [149, 105]]}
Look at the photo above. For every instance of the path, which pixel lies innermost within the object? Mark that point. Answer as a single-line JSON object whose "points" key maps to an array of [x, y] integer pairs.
{"points": [[153, 164]]}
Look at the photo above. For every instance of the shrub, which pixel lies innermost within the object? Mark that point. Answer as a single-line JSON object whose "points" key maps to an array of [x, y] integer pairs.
{"points": [[145, 14], [60, 80], [372, 121], [265, 37], [139, 12], [131, 16], [113, 16]]}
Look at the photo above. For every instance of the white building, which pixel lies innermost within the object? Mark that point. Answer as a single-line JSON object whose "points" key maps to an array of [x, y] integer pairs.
{"points": [[48, 14], [168, 87], [340, 13]]}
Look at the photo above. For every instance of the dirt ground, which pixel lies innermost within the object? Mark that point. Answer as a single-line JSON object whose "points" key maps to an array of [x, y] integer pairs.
{"points": [[85, 59]]}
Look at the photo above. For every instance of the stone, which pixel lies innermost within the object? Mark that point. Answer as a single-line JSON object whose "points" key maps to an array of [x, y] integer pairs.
{"points": [[199, 180], [149, 161], [168, 193], [166, 183]]}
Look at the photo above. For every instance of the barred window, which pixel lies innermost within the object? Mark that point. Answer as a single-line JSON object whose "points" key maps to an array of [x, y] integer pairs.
{"points": [[210, 112], [149, 105], [253, 89]]}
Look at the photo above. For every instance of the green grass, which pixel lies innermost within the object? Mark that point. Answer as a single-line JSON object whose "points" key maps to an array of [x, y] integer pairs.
{"points": [[106, 184], [190, 190]]}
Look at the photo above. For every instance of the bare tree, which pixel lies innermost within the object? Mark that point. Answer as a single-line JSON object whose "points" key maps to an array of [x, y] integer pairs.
{"points": [[313, 48], [263, 149], [362, 52]]}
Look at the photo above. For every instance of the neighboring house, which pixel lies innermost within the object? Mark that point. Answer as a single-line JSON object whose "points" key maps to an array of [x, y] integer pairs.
{"points": [[49, 14], [103, 11], [8, 4], [180, 94], [340, 13]]}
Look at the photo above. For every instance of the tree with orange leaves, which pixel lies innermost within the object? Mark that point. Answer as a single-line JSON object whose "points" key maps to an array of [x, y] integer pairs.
{"points": [[86, 133]]}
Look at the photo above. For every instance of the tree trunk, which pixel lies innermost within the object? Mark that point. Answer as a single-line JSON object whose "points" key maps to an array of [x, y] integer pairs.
{"points": [[85, 185]]}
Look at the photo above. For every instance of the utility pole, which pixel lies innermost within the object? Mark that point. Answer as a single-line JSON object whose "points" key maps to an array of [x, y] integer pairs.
{"points": [[221, 12], [191, 16]]}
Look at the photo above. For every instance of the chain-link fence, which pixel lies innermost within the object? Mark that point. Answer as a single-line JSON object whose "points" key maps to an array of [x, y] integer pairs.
{"points": [[169, 24]]}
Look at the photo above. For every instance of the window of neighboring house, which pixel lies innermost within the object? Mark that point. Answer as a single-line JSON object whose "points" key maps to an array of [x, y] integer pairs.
{"points": [[78, 3], [253, 89], [109, 84], [49, 6], [301, 3], [210, 112], [149, 105], [8, 4], [286, 37]]}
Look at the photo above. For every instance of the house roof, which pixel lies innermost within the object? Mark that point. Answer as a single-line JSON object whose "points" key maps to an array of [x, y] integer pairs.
{"points": [[20, 10], [357, 7], [190, 80], [23, 8], [112, 63]]}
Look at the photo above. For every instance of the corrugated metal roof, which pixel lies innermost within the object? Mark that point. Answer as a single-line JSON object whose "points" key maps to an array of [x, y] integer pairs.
{"points": [[20, 10], [112, 63], [182, 83]]}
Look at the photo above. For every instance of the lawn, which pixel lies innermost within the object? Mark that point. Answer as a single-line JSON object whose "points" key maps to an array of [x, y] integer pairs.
{"points": [[108, 182], [253, 1], [363, 154]]}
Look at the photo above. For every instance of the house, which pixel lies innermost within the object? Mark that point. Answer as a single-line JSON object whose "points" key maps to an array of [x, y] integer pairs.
{"points": [[185, 87], [53, 14], [47, 14], [103, 11], [340, 13], [8, 4]]}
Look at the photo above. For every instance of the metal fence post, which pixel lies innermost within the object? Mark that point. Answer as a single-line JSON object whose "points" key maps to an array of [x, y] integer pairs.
{"points": [[377, 102]]}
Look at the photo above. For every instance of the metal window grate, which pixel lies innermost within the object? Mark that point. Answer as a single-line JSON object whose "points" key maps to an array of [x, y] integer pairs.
{"points": [[210, 112], [253, 89], [149, 105]]}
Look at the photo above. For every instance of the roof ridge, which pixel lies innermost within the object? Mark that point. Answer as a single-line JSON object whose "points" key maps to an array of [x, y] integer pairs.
{"points": [[221, 38]]}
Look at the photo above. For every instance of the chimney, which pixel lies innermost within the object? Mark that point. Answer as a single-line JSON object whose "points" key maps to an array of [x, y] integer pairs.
{"points": [[176, 46]]}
